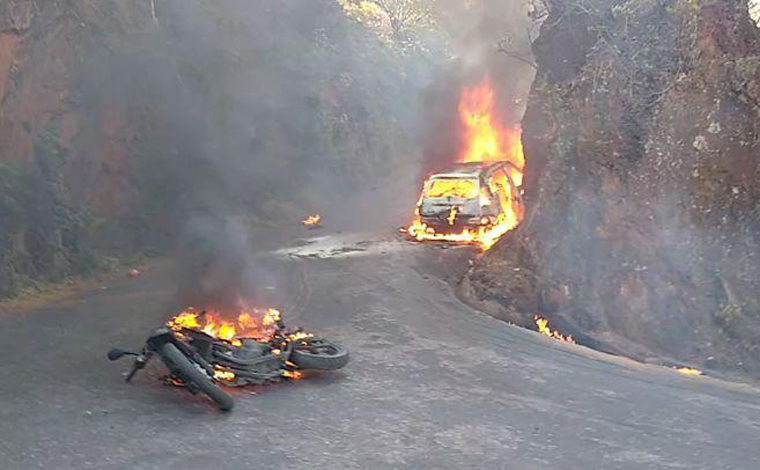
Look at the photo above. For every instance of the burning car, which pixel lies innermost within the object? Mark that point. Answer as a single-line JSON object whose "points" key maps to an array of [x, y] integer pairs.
{"points": [[473, 202], [468, 196], [478, 200]]}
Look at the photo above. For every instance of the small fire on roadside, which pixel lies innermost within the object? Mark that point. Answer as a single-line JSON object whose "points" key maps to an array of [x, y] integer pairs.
{"points": [[486, 139], [689, 371], [312, 220], [543, 327]]}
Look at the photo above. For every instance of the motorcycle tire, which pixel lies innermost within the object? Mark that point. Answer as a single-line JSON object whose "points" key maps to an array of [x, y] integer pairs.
{"points": [[180, 365], [319, 355]]}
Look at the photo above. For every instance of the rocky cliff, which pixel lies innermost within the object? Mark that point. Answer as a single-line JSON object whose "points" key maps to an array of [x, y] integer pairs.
{"points": [[55, 176], [643, 181]]}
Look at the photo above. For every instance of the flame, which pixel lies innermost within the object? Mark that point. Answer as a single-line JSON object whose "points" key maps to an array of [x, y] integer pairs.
{"points": [[293, 374], [461, 188], [543, 328], [485, 237], [300, 335], [271, 318], [211, 323], [452, 216], [689, 371], [312, 220], [486, 140], [224, 375], [269, 330]]}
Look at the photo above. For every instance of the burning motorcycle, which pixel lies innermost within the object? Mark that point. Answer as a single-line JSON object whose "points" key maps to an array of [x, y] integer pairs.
{"points": [[200, 357]]}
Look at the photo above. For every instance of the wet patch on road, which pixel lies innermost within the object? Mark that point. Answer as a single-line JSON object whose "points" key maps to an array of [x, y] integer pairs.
{"points": [[348, 245]]}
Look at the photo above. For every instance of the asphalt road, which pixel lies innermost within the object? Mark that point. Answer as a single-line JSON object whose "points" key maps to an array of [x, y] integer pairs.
{"points": [[432, 384]]}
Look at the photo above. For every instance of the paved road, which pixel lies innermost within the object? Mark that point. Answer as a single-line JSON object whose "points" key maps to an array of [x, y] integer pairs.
{"points": [[432, 384]]}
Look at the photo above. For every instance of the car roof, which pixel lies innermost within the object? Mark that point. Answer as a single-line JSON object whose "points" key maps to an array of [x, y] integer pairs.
{"points": [[464, 170]]}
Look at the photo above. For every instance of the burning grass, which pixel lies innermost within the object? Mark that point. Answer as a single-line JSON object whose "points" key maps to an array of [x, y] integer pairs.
{"points": [[542, 324]]}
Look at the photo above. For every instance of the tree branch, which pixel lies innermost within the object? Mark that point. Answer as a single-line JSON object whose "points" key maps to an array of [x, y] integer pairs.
{"points": [[502, 47]]}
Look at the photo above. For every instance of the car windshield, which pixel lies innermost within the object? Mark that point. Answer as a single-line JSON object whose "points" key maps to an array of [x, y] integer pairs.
{"points": [[465, 188]]}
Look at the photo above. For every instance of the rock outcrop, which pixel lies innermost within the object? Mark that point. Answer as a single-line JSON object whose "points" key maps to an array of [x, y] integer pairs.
{"points": [[643, 183]]}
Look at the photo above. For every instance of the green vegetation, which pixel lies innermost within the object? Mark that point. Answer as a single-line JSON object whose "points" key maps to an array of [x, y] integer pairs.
{"points": [[44, 236]]}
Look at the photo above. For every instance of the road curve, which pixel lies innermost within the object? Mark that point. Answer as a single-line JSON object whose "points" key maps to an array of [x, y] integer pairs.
{"points": [[432, 384]]}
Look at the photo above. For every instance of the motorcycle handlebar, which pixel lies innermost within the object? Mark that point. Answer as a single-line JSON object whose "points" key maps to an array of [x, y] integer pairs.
{"points": [[139, 363]]}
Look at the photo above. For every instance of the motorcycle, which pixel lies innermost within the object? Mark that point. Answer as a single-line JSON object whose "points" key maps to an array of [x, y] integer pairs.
{"points": [[200, 362]]}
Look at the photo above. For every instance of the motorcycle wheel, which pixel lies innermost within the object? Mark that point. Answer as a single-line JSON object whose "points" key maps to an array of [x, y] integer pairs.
{"points": [[189, 372], [318, 354]]}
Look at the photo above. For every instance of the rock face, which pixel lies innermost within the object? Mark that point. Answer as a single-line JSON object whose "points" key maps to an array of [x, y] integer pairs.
{"points": [[17, 16], [643, 183], [53, 178]]}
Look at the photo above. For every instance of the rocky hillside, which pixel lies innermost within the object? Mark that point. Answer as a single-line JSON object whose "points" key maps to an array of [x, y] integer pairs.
{"points": [[121, 121], [52, 180], [643, 181]]}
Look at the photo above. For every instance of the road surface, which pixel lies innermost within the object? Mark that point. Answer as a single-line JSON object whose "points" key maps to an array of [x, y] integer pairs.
{"points": [[432, 384]]}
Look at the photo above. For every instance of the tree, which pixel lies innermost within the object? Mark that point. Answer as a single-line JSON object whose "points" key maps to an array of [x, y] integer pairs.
{"points": [[396, 20], [537, 12]]}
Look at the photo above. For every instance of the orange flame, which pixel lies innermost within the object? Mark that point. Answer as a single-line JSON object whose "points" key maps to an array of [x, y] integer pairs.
{"points": [[543, 328], [224, 375], [452, 216], [293, 374], [312, 220], [211, 323], [689, 371], [245, 326], [486, 140]]}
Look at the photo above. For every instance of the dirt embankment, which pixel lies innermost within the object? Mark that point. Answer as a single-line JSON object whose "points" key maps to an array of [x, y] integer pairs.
{"points": [[643, 184]]}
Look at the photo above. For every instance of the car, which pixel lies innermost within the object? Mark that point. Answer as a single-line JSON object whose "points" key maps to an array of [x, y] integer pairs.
{"points": [[470, 196]]}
